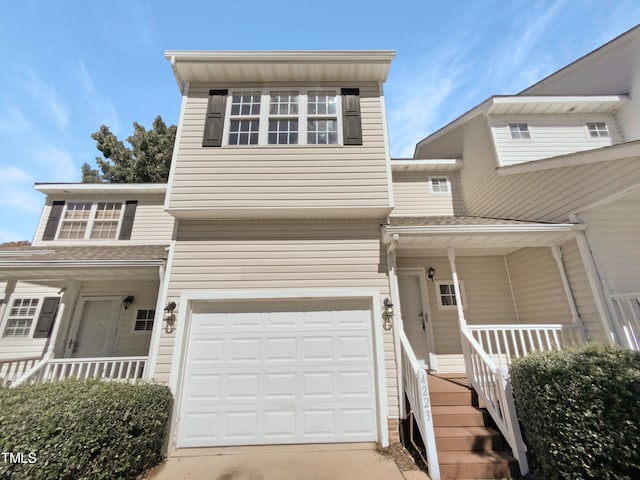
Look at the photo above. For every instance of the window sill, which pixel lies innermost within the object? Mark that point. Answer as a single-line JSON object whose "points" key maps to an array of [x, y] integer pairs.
{"points": [[283, 146]]}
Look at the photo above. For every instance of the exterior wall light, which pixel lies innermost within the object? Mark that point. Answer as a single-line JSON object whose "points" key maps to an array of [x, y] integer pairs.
{"points": [[169, 317], [431, 273], [387, 314], [128, 301]]}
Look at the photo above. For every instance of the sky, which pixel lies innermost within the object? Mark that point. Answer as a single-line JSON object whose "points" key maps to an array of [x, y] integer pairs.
{"points": [[70, 66]]}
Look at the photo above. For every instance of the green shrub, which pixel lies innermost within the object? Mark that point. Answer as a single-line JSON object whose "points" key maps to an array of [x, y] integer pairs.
{"points": [[580, 412], [82, 430]]}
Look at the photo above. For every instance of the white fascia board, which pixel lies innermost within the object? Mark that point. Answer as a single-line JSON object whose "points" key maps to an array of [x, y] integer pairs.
{"points": [[550, 99], [279, 56], [427, 164], [463, 229], [26, 264], [72, 188], [603, 154]]}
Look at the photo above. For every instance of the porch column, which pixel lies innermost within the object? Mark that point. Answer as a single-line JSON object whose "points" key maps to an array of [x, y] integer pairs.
{"points": [[462, 322], [65, 310], [394, 292], [9, 288], [595, 283], [577, 321], [156, 332]]}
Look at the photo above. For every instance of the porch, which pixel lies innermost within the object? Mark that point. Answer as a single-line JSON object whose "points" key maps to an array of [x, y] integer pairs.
{"points": [[470, 296], [91, 321]]}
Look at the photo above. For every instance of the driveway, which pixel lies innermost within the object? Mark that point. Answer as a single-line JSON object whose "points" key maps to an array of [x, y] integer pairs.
{"points": [[283, 462]]}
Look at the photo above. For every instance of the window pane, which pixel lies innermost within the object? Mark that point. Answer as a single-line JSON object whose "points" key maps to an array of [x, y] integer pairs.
{"points": [[321, 103], [322, 132], [283, 132], [20, 318], [284, 103], [243, 132], [245, 104]]}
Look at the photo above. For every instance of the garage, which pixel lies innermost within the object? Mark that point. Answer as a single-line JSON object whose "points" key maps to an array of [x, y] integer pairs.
{"points": [[278, 372]]}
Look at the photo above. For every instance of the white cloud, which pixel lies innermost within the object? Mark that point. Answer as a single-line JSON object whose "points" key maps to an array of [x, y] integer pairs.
{"points": [[48, 97], [13, 121], [101, 106], [16, 190], [56, 164]]}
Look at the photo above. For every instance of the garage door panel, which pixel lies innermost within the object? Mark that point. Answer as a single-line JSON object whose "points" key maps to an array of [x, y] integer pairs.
{"points": [[256, 377]]}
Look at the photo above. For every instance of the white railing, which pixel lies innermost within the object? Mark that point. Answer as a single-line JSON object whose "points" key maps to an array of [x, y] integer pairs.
{"points": [[491, 383], [502, 343], [128, 369], [12, 369], [626, 308], [417, 389]]}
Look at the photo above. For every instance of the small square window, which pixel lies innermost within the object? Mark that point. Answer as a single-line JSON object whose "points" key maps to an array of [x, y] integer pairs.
{"points": [[598, 130], [446, 295], [519, 130], [439, 185], [144, 320]]}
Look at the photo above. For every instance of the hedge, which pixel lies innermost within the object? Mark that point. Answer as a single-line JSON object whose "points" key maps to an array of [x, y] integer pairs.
{"points": [[580, 412], [72, 430]]}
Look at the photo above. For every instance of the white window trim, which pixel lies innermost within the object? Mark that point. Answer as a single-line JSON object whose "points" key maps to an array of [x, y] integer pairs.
{"points": [[135, 318], [92, 217], [598, 138], [439, 299], [7, 312], [439, 177], [302, 116], [513, 139]]}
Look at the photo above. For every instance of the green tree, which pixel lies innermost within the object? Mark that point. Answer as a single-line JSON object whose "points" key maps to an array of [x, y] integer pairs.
{"points": [[147, 161]]}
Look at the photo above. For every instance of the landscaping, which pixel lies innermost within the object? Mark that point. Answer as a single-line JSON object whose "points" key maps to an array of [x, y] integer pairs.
{"points": [[72, 430], [579, 410]]}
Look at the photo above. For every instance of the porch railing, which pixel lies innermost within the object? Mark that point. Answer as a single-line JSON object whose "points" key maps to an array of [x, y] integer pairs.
{"points": [[12, 369], [504, 342], [626, 309], [414, 377], [127, 369], [491, 383]]}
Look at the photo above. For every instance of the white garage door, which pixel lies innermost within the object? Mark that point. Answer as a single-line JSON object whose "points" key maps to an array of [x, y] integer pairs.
{"points": [[258, 373]]}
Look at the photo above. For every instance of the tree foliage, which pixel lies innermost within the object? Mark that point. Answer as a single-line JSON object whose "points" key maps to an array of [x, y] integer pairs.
{"points": [[147, 161]]}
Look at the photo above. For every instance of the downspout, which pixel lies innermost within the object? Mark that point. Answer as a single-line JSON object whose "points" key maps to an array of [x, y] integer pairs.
{"points": [[575, 316], [394, 292], [462, 322], [158, 323]]}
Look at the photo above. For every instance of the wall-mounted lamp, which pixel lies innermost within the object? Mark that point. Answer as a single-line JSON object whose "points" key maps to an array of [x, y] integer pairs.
{"points": [[169, 317], [387, 314], [128, 301], [431, 273]]}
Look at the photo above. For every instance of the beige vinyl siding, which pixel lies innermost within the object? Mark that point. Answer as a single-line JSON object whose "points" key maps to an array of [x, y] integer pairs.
{"points": [[150, 225], [613, 233], [128, 341], [486, 290], [582, 293], [413, 196], [537, 287], [250, 178], [551, 135], [548, 195], [277, 255]]}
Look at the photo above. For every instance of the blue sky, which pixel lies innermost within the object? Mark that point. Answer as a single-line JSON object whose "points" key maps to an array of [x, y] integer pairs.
{"points": [[70, 66]]}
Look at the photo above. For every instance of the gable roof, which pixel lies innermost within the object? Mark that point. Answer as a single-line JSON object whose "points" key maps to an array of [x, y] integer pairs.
{"points": [[95, 256]]}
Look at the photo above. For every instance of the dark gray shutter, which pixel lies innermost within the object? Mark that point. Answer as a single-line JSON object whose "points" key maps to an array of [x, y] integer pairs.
{"points": [[351, 122], [54, 218], [214, 122], [127, 219], [46, 318]]}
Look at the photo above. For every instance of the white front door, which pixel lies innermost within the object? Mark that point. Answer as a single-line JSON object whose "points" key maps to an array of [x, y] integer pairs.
{"points": [[415, 314], [278, 373], [94, 328]]}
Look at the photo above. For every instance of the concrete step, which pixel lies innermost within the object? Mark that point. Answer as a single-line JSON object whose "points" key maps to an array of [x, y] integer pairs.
{"points": [[458, 416], [476, 439], [475, 465]]}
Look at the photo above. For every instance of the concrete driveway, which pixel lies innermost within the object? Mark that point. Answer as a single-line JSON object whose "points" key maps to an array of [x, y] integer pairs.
{"points": [[283, 462]]}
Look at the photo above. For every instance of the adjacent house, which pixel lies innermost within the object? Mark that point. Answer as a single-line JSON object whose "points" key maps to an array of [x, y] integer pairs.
{"points": [[294, 284]]}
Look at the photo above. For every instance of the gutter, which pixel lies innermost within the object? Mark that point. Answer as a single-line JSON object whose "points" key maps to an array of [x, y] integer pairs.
{"points": [[456, 229], [22, 264]]}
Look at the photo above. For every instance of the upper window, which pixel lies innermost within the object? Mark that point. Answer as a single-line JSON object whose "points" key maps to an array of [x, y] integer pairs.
{"points": [[519, 130], [83, 220], [21, 316], [598, 130], [439, 185], [283, 117]]}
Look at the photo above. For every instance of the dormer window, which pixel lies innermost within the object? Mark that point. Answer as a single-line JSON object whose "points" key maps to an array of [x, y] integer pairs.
{"points": [[283, 117], [598, 130], [439, 185], [519, 131]]}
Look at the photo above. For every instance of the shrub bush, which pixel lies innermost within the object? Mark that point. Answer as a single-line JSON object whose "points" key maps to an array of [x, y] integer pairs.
{"points": [[73, 430], [580, 412]]}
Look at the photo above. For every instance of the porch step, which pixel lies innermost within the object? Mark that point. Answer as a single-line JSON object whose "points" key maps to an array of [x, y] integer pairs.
{"points": [[473, 439], [475, 465], [447, 392], [458, 416]]}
